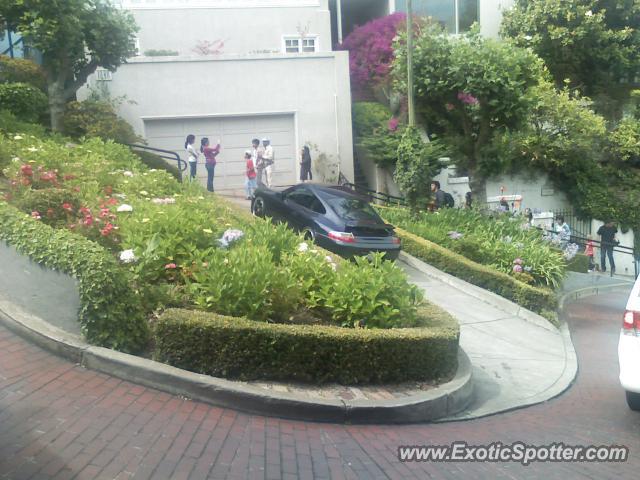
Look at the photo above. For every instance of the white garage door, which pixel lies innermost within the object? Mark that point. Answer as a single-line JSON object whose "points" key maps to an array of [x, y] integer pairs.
{"points": [[235, 134]]}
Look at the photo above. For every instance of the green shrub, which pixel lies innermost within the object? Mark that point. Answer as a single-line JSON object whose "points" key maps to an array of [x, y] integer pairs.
{"points": [[155, 162], [372, 132], [10, 124], [537, 299], [18, 70], [25, 101], [243, 349], [97, 118], [579, 263], [110, 313], [418, 162], [49, 204]]}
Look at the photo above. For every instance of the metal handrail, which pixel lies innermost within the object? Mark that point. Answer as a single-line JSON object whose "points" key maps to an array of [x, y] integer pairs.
{"points": [[375, 195], [166, 154], [12, 44]]}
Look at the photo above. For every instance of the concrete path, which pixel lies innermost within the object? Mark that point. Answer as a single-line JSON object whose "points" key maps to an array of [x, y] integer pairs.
{"points": [[514, 362]]}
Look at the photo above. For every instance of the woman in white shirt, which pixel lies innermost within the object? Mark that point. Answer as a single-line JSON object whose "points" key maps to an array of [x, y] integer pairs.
{"points": [[192, 155]]}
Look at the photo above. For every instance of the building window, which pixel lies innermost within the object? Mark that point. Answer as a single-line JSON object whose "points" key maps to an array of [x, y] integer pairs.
{"points": [[103, 75], [298, 44], [456, 16]]}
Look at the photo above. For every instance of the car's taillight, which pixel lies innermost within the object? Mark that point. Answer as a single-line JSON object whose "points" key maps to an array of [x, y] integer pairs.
{"points": [[396, 240], [346, 237], [631, 320]]}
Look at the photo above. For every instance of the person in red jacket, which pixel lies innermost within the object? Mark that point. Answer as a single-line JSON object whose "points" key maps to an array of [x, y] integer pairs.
{"points": [[210, 154], [250, 182]]}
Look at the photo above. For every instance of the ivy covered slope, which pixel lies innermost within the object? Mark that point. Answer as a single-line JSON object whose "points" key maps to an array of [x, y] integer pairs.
{"points": [[173, 245]]}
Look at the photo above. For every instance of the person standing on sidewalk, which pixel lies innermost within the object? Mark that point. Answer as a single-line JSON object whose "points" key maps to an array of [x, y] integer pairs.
{"points": [[588, 251], [210, 154], [607, 234], [250, 182], [192, 155], [256, 156], [268, 159], [305, 165], [439, 198]]}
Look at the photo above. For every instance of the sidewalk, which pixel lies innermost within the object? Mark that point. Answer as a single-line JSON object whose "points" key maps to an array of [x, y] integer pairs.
{"points": [[514, 362]]}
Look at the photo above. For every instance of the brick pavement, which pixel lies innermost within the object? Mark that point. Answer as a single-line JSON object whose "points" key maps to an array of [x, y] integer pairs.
{"points": [[60, 421]]}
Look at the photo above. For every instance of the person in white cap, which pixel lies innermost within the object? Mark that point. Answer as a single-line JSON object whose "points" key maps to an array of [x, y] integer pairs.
{"points": [[268, 159]]}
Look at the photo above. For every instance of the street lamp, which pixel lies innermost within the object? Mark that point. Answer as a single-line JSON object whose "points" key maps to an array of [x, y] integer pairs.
{"points": [[410, 93]]}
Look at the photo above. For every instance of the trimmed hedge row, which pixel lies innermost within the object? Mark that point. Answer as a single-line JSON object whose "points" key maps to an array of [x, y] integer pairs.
{"points": [[537, 299], [110, 313], [238, 348], [579, 263]]}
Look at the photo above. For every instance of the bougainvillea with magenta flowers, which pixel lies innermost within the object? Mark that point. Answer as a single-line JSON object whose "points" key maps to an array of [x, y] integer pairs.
{"points": [[371, 54]]}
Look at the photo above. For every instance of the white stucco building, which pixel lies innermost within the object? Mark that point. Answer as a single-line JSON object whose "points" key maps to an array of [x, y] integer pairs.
{"points": [[238, 70]]}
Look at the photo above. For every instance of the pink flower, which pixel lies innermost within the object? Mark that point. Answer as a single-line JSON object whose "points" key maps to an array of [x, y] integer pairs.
{"points": [[35, 214], [170, 266], [467, 98], [517, 268], [88, 220], [517, 261], [26, 170], [393, 124], [67, 207]]}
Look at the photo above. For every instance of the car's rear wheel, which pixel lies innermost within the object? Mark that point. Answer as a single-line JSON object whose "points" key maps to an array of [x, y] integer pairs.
{"points": [[259, 207], [633, 400]]}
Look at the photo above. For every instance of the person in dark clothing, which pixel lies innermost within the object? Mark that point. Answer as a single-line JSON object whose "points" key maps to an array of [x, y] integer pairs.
{"points": [[305, 165], [439, 196], [607, 234]]}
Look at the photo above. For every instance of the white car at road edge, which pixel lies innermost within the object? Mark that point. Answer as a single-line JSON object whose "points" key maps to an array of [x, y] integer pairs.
{"points": [[629, 349]]}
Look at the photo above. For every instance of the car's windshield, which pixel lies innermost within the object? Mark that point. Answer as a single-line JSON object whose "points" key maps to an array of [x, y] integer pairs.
{"points": [[353, 209]]}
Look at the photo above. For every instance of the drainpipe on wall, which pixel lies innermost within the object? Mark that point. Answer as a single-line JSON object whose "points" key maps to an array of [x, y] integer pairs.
{"points": [[339, 15]]}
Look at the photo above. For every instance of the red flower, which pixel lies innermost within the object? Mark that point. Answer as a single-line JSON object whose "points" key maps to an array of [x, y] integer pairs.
{"points": [[88, 220], [85, 211], [106, 230], [170, 266], [112, 201], [67, 207], [26, 170], [104, 212]]}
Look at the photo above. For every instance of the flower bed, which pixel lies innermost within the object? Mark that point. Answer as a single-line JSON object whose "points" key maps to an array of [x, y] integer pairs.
{"points": [[501, 242], [244, 349], [173, 245]]}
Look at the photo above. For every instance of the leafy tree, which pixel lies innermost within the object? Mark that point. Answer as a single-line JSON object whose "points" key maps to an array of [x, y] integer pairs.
{"points": [[593, 44], [371, 53], [75, 37], [469, 89], [418, 162], [377, 132]]}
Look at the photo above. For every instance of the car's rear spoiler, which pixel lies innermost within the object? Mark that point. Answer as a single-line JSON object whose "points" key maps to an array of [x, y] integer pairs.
{"points": [[377, 226]]}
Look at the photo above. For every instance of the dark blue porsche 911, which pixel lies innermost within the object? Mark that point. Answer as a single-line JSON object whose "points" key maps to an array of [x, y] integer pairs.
{"points": [[335, 219]]}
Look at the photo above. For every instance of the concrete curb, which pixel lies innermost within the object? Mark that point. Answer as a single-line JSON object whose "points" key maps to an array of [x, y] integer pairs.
{"points": [[444, 400], [590, 291], [481, 294]]}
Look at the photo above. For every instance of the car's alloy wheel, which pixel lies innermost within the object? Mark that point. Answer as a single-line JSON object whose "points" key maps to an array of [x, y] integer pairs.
{"points": [[259, 208], [633, 400]]}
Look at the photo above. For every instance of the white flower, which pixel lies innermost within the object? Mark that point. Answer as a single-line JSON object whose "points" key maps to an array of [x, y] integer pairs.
{"points": [[33, 149], [589, 13], [125, 208], [230, 236], [120, 195], [164, 201], [18, 137], [127, 256], [127, 173], [528, 37], [207, 230], [15, 159], [144, 193], [303, 247]]}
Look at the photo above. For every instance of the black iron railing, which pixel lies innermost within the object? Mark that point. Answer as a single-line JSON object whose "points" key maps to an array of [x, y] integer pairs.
{"points": [[166, 154], [372, 195]]}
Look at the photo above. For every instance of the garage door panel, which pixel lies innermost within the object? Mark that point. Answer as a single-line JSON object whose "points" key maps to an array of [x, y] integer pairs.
{"points": [[235, 134]]}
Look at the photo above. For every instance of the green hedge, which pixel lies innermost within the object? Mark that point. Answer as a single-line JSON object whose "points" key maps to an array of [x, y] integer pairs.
{"points": [[110, 313], [539, 300], [23, 100], [238, 348]]}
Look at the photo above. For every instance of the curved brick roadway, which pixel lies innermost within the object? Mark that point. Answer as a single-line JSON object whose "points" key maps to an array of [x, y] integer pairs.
{"points": [[58, 420]]}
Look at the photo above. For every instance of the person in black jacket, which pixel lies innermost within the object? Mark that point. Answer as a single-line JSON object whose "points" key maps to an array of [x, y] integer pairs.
{"points": [[608, 240], [305, 165]]}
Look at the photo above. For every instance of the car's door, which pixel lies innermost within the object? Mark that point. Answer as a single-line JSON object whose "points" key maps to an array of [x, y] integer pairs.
{"points": [[302, 205]]}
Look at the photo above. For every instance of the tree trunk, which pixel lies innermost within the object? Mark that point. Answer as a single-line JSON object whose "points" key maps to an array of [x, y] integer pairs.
{"points": [[56, 104]]}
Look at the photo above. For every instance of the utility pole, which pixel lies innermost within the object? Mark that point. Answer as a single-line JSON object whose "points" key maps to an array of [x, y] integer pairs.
{"points": [[410, 93]]}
